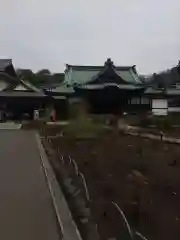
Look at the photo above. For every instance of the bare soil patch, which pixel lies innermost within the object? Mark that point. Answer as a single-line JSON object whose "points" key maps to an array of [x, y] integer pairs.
{"points": [[141, 175]]}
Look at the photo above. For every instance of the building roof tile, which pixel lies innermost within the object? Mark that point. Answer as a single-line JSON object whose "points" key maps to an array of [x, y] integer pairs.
{"points": [[5, 63], [80, 75]]}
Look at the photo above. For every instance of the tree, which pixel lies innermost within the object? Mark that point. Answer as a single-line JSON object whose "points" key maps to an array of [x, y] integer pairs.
{"points": [[25, 74], [43, 72], [42, 77], [175, 75], [58, 77]]}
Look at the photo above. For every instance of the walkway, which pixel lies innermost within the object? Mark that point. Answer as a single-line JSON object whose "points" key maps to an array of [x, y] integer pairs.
{"points": [[26, 210], [10, 125]]}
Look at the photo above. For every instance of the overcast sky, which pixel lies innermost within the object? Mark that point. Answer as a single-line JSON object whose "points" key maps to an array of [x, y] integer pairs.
{"points": [[50, 33]]}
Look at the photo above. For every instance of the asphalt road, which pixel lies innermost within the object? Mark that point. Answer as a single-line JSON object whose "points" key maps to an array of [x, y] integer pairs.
{"points": [[26, 210]]}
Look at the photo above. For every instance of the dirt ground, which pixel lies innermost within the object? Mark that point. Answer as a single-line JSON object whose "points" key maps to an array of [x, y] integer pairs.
{"points": [[141, 175]]}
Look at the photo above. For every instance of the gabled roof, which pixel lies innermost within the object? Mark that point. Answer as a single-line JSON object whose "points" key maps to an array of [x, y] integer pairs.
{"points": [[29, 86], [8, 78], [94, 68], [85, 74], [7, 67], [22, 84], [107, 75], [4, 63], [119, 75], [80, 76], [15, 86], [8, 73]]}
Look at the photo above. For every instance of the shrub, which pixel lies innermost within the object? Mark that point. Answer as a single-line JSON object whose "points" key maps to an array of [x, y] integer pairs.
{"points": [[83, 127], [162, 123], [145, 122]]}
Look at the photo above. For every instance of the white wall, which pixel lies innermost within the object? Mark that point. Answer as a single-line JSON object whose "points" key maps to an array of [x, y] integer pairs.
{"points": [[159, 107]]}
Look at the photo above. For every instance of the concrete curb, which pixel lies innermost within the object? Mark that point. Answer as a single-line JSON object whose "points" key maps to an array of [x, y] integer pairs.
{"points": [[66, 223]]}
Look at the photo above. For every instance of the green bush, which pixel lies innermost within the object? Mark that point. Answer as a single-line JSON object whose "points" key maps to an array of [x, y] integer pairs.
{"points": [[160, 122], [83, 127], [163, 123], [145, 122]]}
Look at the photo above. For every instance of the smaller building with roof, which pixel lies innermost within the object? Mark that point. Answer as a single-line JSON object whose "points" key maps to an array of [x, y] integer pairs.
{"points": [[164, 92], [18, 97]]}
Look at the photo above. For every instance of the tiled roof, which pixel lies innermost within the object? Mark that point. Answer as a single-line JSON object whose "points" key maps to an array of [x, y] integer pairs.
{"points": [[4, 63], [129, 76], [8, 74], [80, 76], [30, 86], [7, 77], [17, 82], [85, 74], [95, 68]]}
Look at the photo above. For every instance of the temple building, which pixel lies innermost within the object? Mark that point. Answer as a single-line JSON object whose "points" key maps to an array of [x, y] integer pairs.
{"points": [[107, 88], [164, 92], [17, 97]]}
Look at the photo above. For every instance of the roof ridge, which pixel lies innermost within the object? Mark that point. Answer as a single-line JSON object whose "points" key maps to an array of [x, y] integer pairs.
{"points": [[97, 67], [6, 59]]}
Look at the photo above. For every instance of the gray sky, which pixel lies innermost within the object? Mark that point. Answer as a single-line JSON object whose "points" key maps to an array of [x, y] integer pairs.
{"points": [[50, 33]]}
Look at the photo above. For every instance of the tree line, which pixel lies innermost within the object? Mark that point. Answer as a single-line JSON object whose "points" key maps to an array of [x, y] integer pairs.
{"points": [[163, 79], [45, 78], [41, 78]]}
